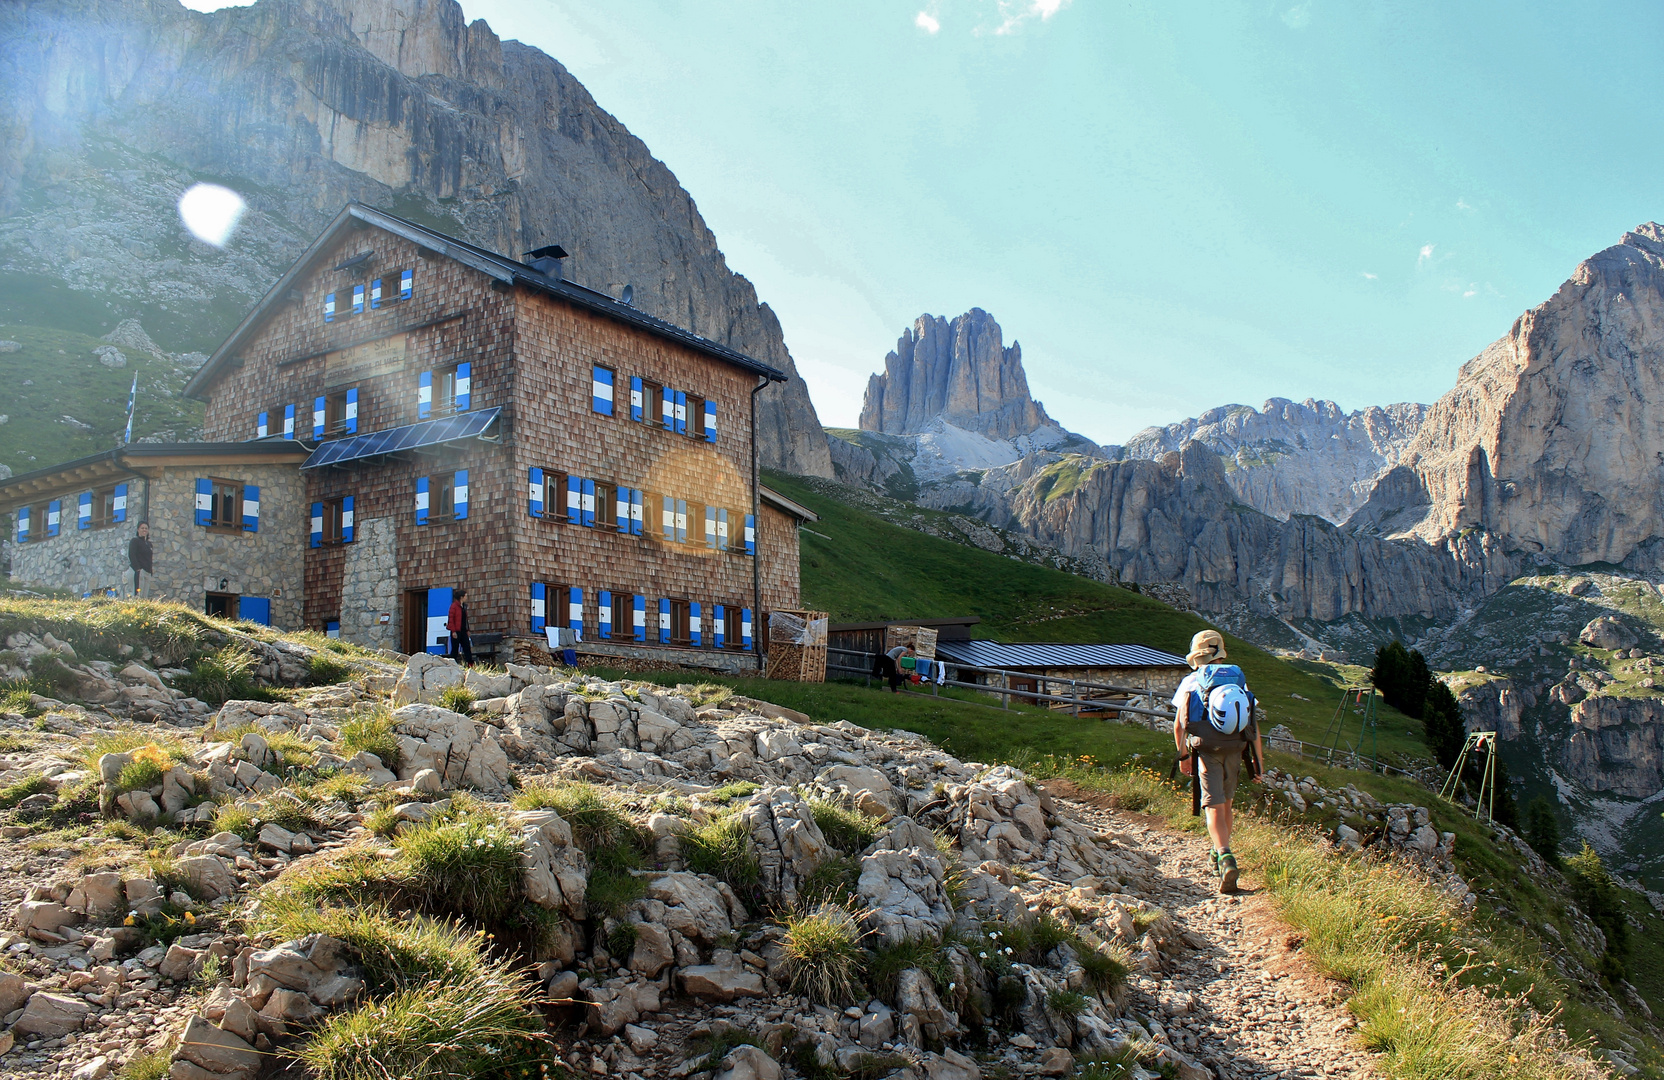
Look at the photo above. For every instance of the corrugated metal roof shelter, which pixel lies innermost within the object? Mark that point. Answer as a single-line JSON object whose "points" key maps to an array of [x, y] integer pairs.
{"points": [[995, 654]]}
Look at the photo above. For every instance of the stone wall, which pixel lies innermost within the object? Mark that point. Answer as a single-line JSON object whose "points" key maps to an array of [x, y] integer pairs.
{"points": [[370, 585], [81, 560]]}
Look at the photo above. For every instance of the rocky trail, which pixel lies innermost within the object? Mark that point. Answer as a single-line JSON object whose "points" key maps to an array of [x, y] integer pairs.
{"points": [[1238, 996]]}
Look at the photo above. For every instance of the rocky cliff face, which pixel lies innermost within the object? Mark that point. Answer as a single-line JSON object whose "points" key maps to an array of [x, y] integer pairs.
{"points": [[111, 109], [959, 371], [1291, 457], [1615, 746], [1553, 435]]}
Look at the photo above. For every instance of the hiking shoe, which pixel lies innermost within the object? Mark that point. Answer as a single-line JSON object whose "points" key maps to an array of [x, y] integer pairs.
{"points": [[1213, 861], [1227, 873]]}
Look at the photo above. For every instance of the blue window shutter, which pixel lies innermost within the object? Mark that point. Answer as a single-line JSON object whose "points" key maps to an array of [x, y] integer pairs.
{"points": [[639, 608], [317, 418], [589, 504], [358, 299], [668, 519], [204, 500], [664, 622], [23, 525], [574, 500], [54, 516], [621, 508], [251, 508], [710, 421], [667, 412], [424, 395], [534, 488], [459, 494], [681, 521], [745, 628], [375, 294], [257, 609], [119, 504], [464, 386], [317, 524], [347, 533], [329, 307], [750, 534], [288, 421], [719, 626], [710, 527], [422, 502], [681, 412], [332, 628], [603, 614], [722, 530], [439, 609], [405, 282], [696, 629], [575, 610], [261, 426], [540, 599], [636, 391], [352, 411], [637, 511], [83, 511], [600, 390]]}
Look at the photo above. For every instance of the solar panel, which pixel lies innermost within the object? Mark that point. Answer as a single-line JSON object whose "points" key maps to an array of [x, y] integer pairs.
{"points": [[410, 437]]}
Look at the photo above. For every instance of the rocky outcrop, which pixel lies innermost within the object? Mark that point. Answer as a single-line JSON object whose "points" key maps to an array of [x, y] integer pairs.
{"points": [[1288, 458], [1494, 704], [957, 370], [113, 108], [1615, 745]]}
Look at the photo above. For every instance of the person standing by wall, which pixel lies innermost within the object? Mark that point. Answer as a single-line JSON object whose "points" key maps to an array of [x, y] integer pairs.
{"points": [[892, 666], [457, 623], [139, 554], [1214, 728]]}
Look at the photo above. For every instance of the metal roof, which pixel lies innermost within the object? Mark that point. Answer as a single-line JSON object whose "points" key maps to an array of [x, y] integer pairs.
{"points": [[995, 654], [500, 267], [137, 459], [465, 425], [780, 502]]}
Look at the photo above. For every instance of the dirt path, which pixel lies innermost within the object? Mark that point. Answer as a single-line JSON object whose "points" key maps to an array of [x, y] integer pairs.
{"points": [[1240, 998]]}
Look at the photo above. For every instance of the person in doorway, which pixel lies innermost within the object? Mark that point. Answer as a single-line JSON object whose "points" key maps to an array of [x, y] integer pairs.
{"points": [[1215, 728], [457, 623], [892, 666], [139, 554]]}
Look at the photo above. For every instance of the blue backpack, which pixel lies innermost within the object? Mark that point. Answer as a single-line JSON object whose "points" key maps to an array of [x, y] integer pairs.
{"points": [[1209, 676]]}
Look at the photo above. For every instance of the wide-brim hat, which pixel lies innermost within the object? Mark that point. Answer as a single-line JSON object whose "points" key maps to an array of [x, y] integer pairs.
{"points": [[1206, 646]]}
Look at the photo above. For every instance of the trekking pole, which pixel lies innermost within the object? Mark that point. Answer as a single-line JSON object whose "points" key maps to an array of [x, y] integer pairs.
{"points": [[1195, 785]]}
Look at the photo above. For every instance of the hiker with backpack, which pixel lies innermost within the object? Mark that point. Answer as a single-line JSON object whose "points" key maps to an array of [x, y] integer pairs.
{"points": [[1215, 729]]}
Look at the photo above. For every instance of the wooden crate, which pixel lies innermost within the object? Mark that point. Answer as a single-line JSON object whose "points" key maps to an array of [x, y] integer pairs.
{"points": [[797, 646], [921, 639]]}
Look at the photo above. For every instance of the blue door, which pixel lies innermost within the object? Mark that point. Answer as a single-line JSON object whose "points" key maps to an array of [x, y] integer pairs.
{"points": [[439, 609], [255, 609]]}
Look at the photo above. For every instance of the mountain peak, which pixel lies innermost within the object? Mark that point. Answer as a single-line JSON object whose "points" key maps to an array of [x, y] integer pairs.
{"points": [[956, 370]]}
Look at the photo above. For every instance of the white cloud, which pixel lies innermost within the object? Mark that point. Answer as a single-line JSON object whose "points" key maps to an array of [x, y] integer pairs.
{"points": [[927, 22], [1298, 17], [1369, 276], [1426, 253], [1463, 204], [1014, 13]]}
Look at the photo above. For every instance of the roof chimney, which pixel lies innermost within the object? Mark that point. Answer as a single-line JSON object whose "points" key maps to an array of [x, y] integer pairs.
{"points": [[547, 260]]}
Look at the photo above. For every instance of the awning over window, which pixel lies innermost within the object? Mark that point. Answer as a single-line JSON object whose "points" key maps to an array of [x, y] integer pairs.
{"points": [[469, 425]]}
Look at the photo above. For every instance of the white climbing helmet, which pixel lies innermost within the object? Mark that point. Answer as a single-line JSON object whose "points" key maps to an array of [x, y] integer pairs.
{"points": [[1229, 708]]}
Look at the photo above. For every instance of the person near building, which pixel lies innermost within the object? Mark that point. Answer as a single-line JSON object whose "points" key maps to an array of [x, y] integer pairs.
{"points": [[139, 554], [456, 622], [892, 666], [1215, 729]]}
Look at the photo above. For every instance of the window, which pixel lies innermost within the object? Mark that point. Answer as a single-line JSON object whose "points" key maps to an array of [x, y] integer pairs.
{"points": [[695, 418], [226, 509], [731, 626], [444, 392], [681, 633], [104, 508], [556, 496], [332, 521], [623, 616], [341, 413], [443, 506], [696, 525], [221, 605], [37, 522], [652, 403], [606, 505]]}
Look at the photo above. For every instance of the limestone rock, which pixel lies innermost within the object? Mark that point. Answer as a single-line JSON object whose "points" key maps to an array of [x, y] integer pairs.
{"points": [[218, 1052], [13, 992], [903, 894], [720, 982], [556, 872], [208, 875], [315, 965], [696, 906], [960, 371], [450, 744], [51, 1015], [1607, 632], [747, 1063], [1617, 745], [789, 843]]}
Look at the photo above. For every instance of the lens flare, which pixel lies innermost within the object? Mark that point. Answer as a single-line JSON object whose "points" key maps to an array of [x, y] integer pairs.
{"points": [[211, 212]]}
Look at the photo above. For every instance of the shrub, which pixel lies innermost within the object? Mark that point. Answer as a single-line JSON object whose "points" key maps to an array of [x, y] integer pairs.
{"points": [[722, 847], [1600, 898], [325, 670], [458, 699], [823, 954], [470, 865], [462, 1028], [226, 675], [846, 829], [396, 950], [164, 926], [12, 794], [1542, 830], [373, 733]]}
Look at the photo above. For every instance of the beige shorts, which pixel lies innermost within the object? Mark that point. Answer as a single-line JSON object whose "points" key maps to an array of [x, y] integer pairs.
{"points": [[1220, 771]]}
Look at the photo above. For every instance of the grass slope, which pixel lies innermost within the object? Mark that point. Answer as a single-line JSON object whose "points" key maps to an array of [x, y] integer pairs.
{"points": [[857, 566]]}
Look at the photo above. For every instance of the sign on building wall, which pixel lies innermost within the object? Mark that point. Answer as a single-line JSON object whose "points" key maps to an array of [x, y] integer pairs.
{"points": [[380, 357]]}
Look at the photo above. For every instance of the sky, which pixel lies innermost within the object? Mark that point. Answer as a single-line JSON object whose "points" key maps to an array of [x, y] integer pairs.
{"points": [[1172, 206]]}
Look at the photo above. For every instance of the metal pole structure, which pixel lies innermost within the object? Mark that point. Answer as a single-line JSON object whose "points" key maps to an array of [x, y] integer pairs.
{"points": [[757, 525]]}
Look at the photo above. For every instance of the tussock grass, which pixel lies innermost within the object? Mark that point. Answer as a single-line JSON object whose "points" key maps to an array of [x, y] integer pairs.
{"points": [[469, 865], [597, 818], [885, 964], [98, 628], [234, 817], [845, 828], [325, 670], [458, 699], [823, 954], [17, 696], [833, 881], [129, 740], [227, 674], [372, 732], [463, 1028], [14, 793], [397, 950], [152, 1065], [337, 787], [727, 793], [722, 847]]}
